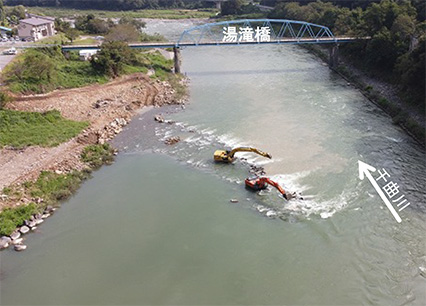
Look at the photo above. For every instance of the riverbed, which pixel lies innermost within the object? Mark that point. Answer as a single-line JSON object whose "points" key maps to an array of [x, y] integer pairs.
{"points": [[157, 227]]}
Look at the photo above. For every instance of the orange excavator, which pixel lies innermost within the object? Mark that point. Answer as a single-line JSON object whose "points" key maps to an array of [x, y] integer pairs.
{"points": [[259, 183], [228, 156]]}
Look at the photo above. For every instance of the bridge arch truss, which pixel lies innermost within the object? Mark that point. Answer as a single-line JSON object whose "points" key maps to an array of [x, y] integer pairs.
{"points": [[281, 31]]}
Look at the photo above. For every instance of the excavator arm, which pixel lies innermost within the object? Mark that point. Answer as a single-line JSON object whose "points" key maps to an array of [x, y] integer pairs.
{"points": [[280, 189], [259, 183], [228, 156]]}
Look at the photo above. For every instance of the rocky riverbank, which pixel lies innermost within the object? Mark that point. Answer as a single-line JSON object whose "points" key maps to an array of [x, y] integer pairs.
{"points": [[107, 108]]}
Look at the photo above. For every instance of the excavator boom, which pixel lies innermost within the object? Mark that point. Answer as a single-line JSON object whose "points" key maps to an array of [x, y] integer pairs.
{"points": [[228, 156], [249, 149]]}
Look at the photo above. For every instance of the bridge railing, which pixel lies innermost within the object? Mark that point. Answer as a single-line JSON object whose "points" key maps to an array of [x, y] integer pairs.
{"points": [[254, 30]]}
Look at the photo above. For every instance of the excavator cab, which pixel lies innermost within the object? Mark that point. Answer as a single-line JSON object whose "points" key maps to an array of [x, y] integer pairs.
{"points": [[254, 183], [222, 156]]}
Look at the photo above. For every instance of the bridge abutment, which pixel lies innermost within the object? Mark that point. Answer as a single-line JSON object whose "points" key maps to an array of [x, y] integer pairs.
{"points": [[176, 59], [333, 60]]}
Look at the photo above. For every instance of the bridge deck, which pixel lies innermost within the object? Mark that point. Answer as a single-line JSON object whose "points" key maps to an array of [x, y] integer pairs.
{"points": [[215, 43]]}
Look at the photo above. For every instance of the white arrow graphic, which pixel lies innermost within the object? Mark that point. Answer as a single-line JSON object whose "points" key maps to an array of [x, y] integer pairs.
{"points": [[364, 169]]}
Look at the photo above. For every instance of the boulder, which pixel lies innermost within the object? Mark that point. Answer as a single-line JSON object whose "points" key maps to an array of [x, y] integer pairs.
{"points": [[24, 229], [20, 247], [233, 200], [45, 216], [6, 238], [4, 244], [159, 118], [17, 241], [39, 221], [271, 213], [15, 235]]}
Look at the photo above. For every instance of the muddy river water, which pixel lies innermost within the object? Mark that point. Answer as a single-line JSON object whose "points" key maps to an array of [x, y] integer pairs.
{"points": [[158, 227]]}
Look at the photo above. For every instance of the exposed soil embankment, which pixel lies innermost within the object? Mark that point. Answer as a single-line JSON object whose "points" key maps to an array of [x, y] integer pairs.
{"points": [[106, 107]]}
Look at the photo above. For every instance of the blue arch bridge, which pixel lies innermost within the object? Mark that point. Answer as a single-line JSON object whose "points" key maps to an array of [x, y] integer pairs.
{"points": [[245, 32]]}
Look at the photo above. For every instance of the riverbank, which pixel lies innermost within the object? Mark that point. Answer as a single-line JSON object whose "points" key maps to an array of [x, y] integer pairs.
{"points": [[107, 108], [61, 12], [381, 93]]}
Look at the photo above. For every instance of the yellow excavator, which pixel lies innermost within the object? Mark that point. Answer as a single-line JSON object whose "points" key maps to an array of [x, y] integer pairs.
{"points": [[228, 156]]}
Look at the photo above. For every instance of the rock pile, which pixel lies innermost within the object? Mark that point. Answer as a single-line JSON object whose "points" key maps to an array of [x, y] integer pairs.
{"points": [[172, 140], [257, 170], [16, 238], [166, 95], [112, 129]]}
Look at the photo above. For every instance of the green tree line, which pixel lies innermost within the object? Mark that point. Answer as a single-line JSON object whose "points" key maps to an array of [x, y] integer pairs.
{"points": [[396, 50], [110, 4]]}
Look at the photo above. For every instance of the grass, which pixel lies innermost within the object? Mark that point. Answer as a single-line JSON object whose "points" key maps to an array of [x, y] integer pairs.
{"points": [[11, 218], [97, 155], [163, 14], [53, 187], [21, 129], [86, 41]]}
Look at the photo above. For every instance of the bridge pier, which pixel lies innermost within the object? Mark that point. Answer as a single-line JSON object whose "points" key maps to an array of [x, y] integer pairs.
{"points": [[333, 60], [176, 59]]}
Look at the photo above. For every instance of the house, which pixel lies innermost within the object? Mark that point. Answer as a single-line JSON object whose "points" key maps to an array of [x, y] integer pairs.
{"points": [[86, 55], [36, 28]]}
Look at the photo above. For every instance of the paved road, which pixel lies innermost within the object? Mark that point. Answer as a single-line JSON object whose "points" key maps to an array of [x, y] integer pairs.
{"points": [[4, 60]]}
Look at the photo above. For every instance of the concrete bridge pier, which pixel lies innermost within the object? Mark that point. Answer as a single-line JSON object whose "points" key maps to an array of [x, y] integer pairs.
{"points": [[333, 60], [176, 59]]}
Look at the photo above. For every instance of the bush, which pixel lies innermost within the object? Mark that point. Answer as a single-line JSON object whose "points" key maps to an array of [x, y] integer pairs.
{"points": [[4, 99], [97, 155]]}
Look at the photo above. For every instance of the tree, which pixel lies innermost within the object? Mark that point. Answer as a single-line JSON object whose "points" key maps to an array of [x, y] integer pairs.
{"points": [[17, 11], [2, 14], [72, 34], [61, 25], [123, 32], [92, 25], [112, 58], [383, 14], [411, 69], [231, 7], [97, 26], [380, 51], [132, 21]]}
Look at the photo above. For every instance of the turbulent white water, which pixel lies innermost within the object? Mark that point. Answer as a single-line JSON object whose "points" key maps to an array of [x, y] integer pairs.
{"points": [[158, 227]]}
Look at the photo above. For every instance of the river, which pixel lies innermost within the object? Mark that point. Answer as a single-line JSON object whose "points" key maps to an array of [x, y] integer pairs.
{"points": [[157, 226]]}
